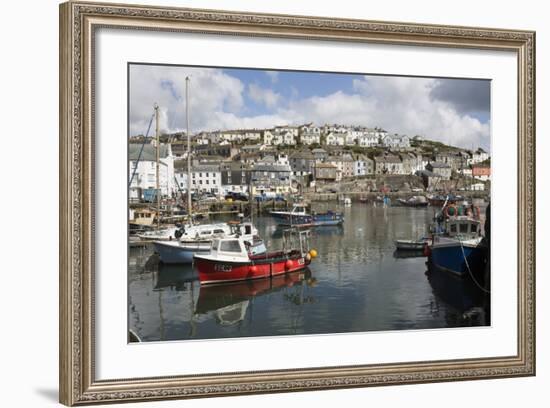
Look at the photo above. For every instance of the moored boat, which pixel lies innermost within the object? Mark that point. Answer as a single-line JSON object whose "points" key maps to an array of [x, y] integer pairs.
{"points": [[414, 201], [412, 245], [230, 259], [443, 199], [198, 239], [299, 217], [165, 234], [460, 248]]}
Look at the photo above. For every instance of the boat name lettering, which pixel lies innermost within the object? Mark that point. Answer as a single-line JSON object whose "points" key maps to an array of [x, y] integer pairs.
{"points": [[223, 268]]}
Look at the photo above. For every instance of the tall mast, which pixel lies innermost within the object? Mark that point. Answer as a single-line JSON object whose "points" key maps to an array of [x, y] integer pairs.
{"points": [[189, 203], [158, 162]]}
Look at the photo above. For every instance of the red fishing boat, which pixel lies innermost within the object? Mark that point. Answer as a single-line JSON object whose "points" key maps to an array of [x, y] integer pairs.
{"points": [[230, 259]]}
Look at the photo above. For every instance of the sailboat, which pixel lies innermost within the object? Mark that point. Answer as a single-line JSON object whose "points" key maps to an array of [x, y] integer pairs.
{"points": [[193, 239]]}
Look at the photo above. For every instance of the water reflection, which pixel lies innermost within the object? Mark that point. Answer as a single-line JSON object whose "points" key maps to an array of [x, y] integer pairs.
{"points": [[357, 283]]}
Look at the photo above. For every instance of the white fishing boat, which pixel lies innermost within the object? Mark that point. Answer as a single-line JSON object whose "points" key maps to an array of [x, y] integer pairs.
{"points": [[197, 239], [412, 245], [165, 234]]}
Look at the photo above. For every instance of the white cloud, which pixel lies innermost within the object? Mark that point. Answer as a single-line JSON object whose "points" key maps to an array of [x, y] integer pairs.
{"points": [[263, 95], [401, 105], [212, 93]]}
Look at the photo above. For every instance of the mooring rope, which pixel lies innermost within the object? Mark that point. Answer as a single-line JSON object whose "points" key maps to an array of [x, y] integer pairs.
{"points": [[469, 270], [141, 151]]}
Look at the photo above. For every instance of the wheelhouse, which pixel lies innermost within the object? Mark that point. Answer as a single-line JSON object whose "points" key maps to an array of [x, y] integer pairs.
{"points": [[463, 227]]}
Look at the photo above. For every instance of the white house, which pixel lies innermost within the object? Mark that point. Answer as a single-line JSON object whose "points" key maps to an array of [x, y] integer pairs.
{"points": [[289, 138], [206, 178], [478, 156], [279, 136], [309, 138], [181, 179], [336, 139], [351, 138], [363, 166], [143, 168], [367, 140], [477, 187], [334, 129], [282, 159], [309, 128], [396, 141]]}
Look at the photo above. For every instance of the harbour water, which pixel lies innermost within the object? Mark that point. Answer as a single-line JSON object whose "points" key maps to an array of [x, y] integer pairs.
{"points": [[357, 283]]}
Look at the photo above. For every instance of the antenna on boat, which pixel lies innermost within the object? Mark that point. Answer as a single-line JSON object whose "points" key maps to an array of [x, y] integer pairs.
{"points": [[189, 203]]}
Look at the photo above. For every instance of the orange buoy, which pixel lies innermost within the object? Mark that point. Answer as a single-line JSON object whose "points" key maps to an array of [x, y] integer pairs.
{"points": [[289, 264]]}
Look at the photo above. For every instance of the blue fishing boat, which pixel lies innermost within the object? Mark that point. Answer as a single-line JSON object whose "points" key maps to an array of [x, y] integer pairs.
{"points": [[299, 217], [459, 247]]}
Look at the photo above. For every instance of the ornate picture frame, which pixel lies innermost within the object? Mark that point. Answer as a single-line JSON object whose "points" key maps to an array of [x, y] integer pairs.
{"points": [[78, 24]]}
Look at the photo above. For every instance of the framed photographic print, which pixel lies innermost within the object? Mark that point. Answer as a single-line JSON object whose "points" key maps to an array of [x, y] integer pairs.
{"points": [[256, 203]]}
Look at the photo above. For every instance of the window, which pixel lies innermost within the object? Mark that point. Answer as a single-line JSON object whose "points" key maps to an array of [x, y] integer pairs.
{"points": [[218, 231], [207, 182], [206, 232], [230, 246], [453, 227], [463, 228]]}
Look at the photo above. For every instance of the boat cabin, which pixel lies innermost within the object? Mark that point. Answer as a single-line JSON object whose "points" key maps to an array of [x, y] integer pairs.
{"points": [[299, 210], [463, 227], [244, 229], [204, 232], [229, 249], [142, 216]]}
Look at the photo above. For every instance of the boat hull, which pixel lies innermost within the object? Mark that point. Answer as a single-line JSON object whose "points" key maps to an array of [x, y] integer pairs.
{"points": [[179, 253], [413, 204], [304, 220], [410, 245], [263, 266], [458, 259]]}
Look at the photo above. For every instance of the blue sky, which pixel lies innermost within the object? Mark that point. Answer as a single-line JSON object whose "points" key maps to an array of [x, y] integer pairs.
{"points": [[292, 84], [455, 111]]}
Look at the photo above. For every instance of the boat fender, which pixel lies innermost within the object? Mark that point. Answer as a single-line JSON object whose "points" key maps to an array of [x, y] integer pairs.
{"points": [[178, 234], [254, 269], [289, 264], [469, 212], [477, 211]]}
